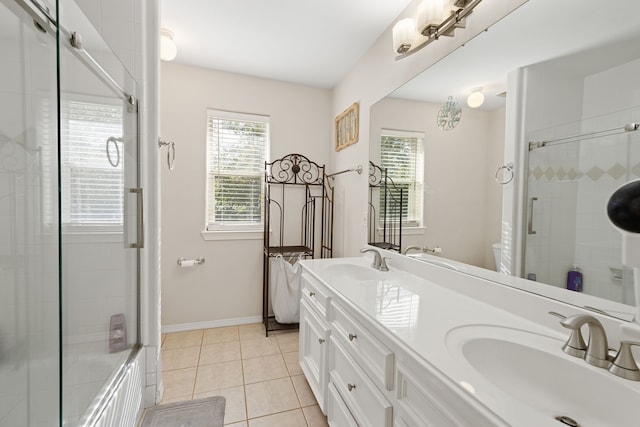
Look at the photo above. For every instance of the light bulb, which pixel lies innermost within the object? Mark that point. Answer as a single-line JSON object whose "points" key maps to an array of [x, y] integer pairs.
{"points": [[403, 34], [476, 98], [168, 49]]}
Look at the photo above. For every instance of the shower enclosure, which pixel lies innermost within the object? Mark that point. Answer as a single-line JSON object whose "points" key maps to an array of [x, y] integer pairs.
{"points": [[70, 206], [573, 170]]}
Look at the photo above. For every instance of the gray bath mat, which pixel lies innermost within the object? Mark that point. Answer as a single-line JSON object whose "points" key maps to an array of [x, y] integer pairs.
{"points": [[207, 412]]}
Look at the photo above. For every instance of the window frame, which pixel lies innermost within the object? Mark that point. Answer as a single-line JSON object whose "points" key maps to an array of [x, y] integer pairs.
{"points": [[416, 196], [231, 231], [97, 229]]}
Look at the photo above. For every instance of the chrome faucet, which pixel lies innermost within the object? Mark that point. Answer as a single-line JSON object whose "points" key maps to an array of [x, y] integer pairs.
{"points": [[596, 352], [408, 248], [379, 262]]}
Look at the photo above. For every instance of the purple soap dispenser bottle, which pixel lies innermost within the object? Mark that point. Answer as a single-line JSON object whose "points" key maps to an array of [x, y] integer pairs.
{"points": [[574, 279]]}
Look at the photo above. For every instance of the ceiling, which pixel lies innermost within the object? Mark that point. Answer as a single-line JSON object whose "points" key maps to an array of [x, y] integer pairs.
{"points": [[311, 42], [538, 31]]}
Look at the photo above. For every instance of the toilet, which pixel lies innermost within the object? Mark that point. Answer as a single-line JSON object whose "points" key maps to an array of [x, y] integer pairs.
{"points": [[497, 253]]}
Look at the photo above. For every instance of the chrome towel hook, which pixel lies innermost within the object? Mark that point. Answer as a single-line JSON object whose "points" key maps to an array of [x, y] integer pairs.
{"points": [[507, 174], [171, 152]]}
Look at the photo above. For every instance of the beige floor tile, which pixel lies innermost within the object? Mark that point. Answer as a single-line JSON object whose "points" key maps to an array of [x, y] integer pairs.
{"points": [[292, 362], [218, 376], [183, 339], [220, 352], [217, 335], [305, 395], [175, 399], [284, 419], [315, 417], [259, 347], [162, 337], [178, 383], [241, 424], [270, 397], [264, 368], [180, 358], [288, 341], [254, 330], [235, 407]]}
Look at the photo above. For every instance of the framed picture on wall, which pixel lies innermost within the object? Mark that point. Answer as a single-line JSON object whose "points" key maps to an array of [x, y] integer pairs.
{"points": [[346, 127]]}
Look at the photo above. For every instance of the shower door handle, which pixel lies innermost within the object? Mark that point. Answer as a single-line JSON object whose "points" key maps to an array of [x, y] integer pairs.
{"points": [[139, 244], [530, 229]]}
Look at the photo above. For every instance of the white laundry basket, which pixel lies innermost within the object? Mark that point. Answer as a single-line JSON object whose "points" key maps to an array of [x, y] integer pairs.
{"points": [[285, 289]]}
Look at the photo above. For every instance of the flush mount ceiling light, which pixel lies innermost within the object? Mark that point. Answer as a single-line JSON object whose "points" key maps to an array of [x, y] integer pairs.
{"points": [[435, 18], [168, 49], [476, 98]]}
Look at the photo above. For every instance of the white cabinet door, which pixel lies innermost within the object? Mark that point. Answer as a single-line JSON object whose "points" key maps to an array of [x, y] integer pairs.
{"points": [[314, 339]]}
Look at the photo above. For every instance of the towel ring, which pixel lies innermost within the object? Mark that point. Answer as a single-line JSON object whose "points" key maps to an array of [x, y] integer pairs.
{"points": [[507, 171], [115, 143]]}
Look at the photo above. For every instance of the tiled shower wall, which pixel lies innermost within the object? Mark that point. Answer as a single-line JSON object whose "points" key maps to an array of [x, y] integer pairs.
{"points": [[573, 183]]}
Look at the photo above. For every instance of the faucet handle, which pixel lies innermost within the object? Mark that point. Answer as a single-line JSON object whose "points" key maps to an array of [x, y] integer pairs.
{"points": [[624, 364], [575, 345]]}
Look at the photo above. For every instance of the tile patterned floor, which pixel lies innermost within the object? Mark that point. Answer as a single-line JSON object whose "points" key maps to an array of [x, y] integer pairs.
{"points": [[260, 377]]}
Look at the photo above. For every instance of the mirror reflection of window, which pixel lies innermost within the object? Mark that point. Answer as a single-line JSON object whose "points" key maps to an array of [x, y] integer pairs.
{"points": [[402, 155], [91, 185]]}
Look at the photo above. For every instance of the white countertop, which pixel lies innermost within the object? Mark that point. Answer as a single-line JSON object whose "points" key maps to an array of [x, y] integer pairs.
{"points": [[431, 320]]}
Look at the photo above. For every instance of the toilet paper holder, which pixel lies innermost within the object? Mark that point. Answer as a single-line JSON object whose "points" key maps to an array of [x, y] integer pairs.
{"points": [[183, 262]]}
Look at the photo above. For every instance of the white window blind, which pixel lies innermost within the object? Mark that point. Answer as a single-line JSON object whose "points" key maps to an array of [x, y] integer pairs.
{"points": [[92, 189], [402, 155], [237, 146]]}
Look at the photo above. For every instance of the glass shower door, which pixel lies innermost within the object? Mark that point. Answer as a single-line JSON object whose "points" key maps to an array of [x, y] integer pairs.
{"points": [[29, 350], [573, 170], [100, 203]]}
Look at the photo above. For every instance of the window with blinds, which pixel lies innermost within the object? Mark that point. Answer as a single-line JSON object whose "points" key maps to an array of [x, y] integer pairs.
{"points": [[237, 147], [402, 155], [92, 189]]}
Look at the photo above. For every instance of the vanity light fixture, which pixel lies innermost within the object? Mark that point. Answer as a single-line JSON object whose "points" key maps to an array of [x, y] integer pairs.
{"points": [[476, 98], [435, 18], [168, 49]]}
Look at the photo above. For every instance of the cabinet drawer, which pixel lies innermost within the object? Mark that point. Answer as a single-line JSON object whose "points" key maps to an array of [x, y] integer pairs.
{"points": [[315, 295], [338, 414], [370, 352], [365, 402]]}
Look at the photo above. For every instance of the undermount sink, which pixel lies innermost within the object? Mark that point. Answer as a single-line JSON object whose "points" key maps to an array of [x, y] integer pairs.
{"points": [[353, 272], [532, 370]]}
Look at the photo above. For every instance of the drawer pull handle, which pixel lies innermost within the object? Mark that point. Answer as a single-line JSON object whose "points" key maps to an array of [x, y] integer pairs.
{"points": [[321, 340], [311, 294], [352, 337], [351, 386]]}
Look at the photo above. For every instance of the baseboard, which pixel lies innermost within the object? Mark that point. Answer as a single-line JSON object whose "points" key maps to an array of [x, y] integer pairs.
{"points": [[182, 327]]}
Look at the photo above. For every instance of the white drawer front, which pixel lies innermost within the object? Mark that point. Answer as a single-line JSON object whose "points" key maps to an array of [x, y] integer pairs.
{"points": [[373, 355], [312, 353], [366, 403], [416, 407], [338, 414], [314, 295]]}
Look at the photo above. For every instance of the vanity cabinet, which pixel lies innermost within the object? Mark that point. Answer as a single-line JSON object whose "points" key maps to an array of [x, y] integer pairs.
{"points": [[364, 376], [314, 339]]}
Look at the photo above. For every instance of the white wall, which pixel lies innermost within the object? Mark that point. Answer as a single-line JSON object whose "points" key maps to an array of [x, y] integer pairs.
{"points": [[377, 74], [459, 182], [228, 287]]}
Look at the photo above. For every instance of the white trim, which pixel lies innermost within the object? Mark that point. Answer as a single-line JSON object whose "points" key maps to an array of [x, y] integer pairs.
{"points": [[402, 133], [405, 230], [234, 115], [232, 235], [182, 327]]}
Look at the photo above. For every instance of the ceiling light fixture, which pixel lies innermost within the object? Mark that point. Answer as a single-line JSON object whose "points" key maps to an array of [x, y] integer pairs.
{"points": [[435, 18], [476, 98], [168, 49]]}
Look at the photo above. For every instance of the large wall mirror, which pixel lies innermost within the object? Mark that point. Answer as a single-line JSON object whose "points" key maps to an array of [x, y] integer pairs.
{"points": [[560, 82]]}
